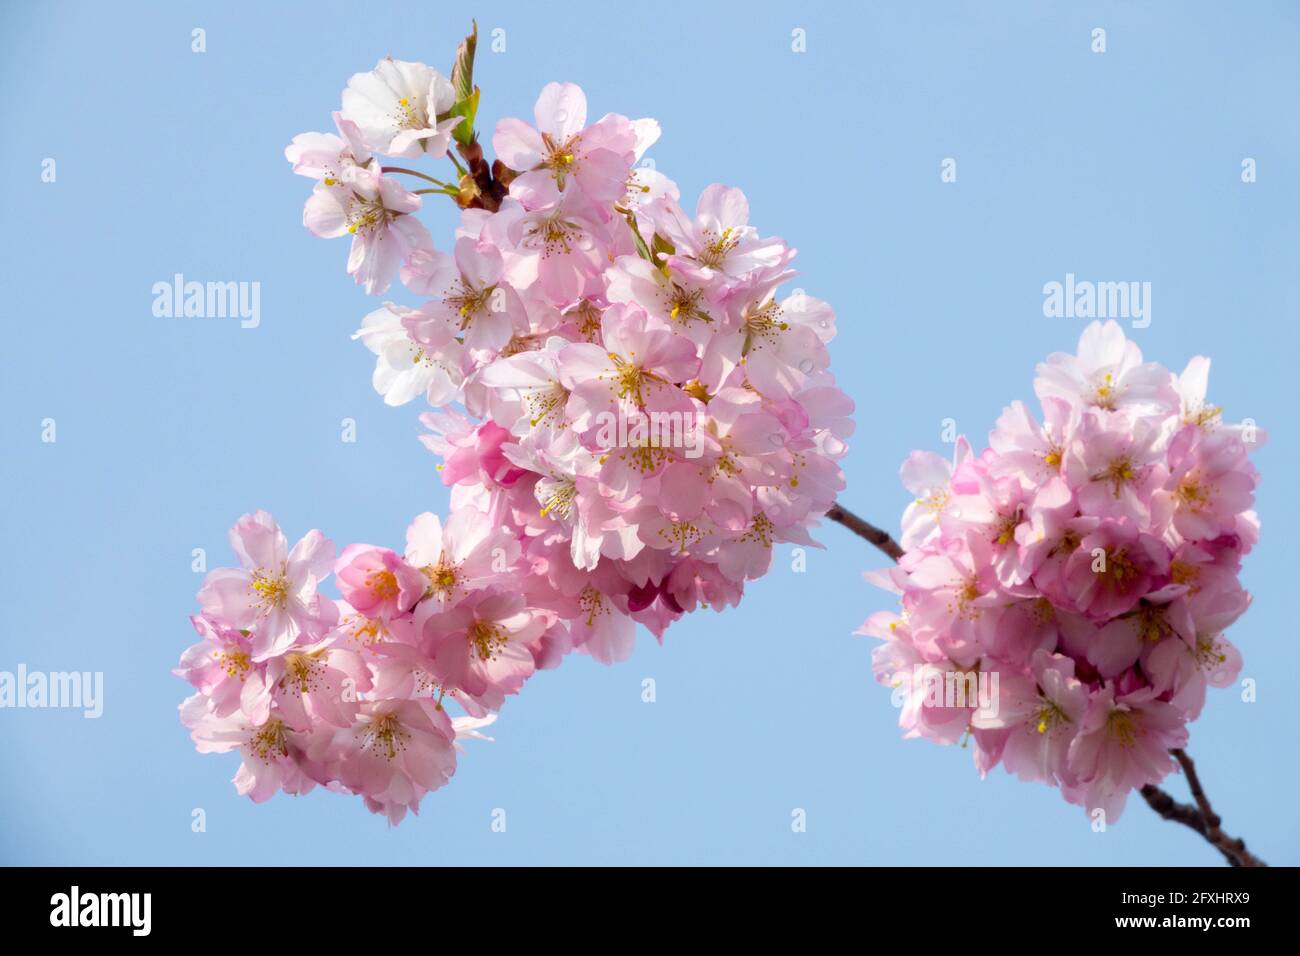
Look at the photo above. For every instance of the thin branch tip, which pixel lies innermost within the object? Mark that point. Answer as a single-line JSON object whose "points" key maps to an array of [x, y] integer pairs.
{"points": [[866, 530]]}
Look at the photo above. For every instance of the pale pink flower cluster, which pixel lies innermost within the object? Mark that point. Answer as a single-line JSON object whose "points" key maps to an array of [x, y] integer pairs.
{"points": [[1089, 561], [628, 413], [299, 682]]}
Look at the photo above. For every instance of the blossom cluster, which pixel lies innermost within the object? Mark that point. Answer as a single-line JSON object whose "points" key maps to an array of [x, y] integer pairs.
{"points": [[629, 416], [1077, 576]]}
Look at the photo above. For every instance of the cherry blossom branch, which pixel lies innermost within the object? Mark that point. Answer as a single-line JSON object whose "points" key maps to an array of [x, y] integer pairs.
{"points": [[1200, 817], [414, 172], [481, 186], [866, 530]]}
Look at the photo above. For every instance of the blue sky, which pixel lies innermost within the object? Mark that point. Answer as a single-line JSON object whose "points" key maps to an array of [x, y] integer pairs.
{"points": [[1123, 165]]}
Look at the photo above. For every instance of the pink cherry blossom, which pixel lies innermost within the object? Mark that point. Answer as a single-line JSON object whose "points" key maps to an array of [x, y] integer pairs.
{"points": [[333, 160], [219, 665], [630, 411], [396, 106], [1107, 373], [1089, 560], [484, 645], [472, 303], [406, 369], [1123, 742], [929, 478], [273, 594], [718, 247], [395, 753], [562, 149], [377, 582], [375, 210]]}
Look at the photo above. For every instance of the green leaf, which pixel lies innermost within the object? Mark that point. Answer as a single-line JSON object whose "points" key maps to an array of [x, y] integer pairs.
{"points": [[467, 94], [637, 240], [468, 107], [462, 71], [659, 244]]}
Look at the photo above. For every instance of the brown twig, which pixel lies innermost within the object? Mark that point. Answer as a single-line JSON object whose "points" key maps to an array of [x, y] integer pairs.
{"points": [[1200, 817], [865, 529]]}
